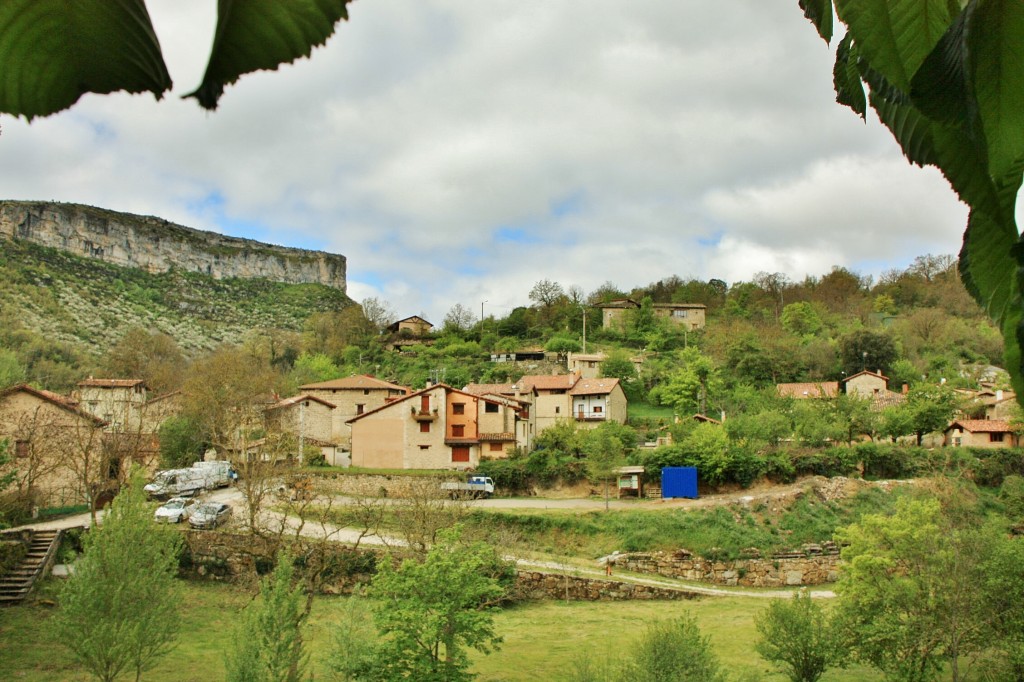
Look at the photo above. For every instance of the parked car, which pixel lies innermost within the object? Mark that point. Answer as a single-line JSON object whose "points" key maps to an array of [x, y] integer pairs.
{"points": [[175, 510], [210, 515]]}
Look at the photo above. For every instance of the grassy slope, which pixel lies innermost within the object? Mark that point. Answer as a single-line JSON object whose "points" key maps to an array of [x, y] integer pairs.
{"points": [[90, 303], [541, 639]]}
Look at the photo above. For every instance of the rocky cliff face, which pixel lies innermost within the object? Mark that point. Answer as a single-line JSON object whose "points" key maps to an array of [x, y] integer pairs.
{"points": [[157, 245]]}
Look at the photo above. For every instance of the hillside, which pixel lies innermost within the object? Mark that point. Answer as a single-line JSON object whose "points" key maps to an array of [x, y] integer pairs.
{"points": [[88, 304]]}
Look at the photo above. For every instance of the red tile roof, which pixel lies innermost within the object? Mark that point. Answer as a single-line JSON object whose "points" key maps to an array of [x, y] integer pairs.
{"points": [[110, 383], [594, 387], [55, 399], [295, 400], [981, 425], [549, 382], [818, 389], [354, 382]]}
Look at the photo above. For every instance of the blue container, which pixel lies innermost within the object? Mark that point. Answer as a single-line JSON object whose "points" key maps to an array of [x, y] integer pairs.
{"points": [[679, 482]]}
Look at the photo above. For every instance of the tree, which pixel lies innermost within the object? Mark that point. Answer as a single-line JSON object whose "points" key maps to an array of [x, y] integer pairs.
{"points": [[118, 610], [911, 596], [269, 644], [11, 370], [801, 318], [153, 357], [673, 651], [7, 478], [867, 350], [946, 78], [104, 48], [378, 312], [459, 320], [226, 394], [181, 442], [546, 293], [430, 612], [927, 409], [605, 453], [798, 635]]}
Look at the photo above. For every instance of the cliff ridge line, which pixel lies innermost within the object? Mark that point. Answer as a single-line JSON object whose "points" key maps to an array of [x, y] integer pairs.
{"points": [[157, 245]]}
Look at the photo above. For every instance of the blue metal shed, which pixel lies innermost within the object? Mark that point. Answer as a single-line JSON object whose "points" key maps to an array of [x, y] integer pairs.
{"points": [[679, 482]]}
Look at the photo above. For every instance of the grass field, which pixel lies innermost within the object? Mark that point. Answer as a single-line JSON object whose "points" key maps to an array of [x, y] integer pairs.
{"points": [[541, 639]]}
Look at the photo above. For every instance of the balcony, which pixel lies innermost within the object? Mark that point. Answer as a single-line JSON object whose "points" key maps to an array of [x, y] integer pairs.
{"points": [[421, 415], [584, 416]]}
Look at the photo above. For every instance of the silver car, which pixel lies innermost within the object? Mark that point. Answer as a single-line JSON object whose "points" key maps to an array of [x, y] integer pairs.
{"points": [[210, 515], [175, 510]]}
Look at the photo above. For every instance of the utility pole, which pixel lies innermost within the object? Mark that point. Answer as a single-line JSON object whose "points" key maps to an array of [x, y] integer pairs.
{"points": [[584, 330]]}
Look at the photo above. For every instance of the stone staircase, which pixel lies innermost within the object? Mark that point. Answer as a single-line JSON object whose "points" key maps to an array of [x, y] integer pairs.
{"points": [[17, 583]]}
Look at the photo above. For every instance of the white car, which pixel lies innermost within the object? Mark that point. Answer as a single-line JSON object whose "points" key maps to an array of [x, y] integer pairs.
{"points": [[209, 515], [175, 510]]}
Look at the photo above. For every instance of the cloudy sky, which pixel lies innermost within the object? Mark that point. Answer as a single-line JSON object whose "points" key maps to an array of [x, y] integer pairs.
{"points": [[458, 151]]}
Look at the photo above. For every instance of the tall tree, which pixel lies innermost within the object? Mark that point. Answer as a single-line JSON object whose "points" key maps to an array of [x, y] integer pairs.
{"points": [[118, 610], [269, 645], [430, 612], [911, 596], [798, 635]]}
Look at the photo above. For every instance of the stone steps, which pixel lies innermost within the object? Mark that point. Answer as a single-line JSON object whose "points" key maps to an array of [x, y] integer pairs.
{"points": [[18, 582]]}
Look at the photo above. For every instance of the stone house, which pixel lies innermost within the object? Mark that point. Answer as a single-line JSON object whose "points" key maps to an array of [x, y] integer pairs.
{"points": [[546, 400], [412, 327], [689, 316], [596, 401], [118, 402], [311, 421], [55, 447], [351, 397], [866, 384], [980, 433], [439, 427]]}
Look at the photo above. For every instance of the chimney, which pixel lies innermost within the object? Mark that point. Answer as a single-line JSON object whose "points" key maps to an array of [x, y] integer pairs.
{"points": [[999, 395]]}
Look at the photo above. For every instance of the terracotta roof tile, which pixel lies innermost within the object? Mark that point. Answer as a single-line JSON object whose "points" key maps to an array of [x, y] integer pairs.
{"points": [[354, 382], [817, 389], [594, 386], [982, 425]]}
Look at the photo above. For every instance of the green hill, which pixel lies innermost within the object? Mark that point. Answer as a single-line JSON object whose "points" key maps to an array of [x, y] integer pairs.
{"points": [[63, 303]]}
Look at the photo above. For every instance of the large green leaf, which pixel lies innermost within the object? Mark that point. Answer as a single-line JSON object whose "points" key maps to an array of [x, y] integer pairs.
{"points": [[254, 35], [820, 14], [895, 36], [940, 88], [55, 51], [995, 43], [846, 78]]}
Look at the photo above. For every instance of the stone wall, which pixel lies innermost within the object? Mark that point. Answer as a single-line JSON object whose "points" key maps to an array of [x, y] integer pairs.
{"points": [[531, 585], [809, 569], [395, 486], [242, 558], [156, 245]]}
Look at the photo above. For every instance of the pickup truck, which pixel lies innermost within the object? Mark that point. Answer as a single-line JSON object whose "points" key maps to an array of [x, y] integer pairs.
{"points": [[474, 486]]}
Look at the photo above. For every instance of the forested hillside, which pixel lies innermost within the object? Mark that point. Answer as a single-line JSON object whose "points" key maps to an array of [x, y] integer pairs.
{"points": [[64, 317]]}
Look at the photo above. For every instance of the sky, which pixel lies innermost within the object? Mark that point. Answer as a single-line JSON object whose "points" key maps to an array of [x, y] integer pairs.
{"points": [[459, 151]]}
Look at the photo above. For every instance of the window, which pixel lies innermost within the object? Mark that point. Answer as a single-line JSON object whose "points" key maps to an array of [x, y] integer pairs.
{"points": [[424, 447], [366, 391], [496, 447], [995, 438], [490, 408], [360, 408], [424, 403], [678, 313], [424, 427], [458, 408], [21, 448], [598, 409], [458, 430], [460, 454], [558, 410]]}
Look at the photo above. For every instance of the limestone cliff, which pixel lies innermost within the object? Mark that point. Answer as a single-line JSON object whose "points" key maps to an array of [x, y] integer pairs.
{"points": [[157, 245]]}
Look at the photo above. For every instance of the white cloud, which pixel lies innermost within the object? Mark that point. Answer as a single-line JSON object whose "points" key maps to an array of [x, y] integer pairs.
{"points": [[610, 141]]}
